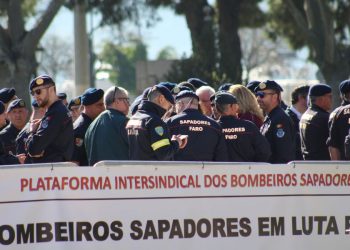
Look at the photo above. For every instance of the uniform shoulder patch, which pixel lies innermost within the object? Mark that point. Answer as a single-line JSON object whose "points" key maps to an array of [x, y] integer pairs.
{"points": [[159, 130], [280, 133], [45, 123]]}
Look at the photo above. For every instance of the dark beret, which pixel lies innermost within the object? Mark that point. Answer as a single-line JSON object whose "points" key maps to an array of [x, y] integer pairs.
{"points": [[225, 87], [2, 107], [319, 90], [6, 94], [165, 92], [268, 84], [197, 83], [74, 102], [40, 81], [18, 103], [145, 93], [172, 87], [186, 93], [344, 86], [187, 85], [252, 85], [225, 98], [91, 96], [182, 88], [62, 96]]}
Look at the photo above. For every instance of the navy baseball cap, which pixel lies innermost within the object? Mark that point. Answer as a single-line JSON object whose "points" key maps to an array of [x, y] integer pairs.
{"points": [[186, 93], [165, 92], [6, 94], [197, 83], [91, 96], [225, 98], [344, 86], [41, 80], [268, 84], [18, 103], [320, 89]]}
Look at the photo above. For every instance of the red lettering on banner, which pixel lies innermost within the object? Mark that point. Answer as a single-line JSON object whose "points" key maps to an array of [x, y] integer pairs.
{"points": [[157, 182], [64, 183], [324, 179]]}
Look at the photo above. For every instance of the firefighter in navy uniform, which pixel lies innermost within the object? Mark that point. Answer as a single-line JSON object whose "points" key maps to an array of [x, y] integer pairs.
{"points": [[314, 123], [295, 111], [205, 139], [17, 114], [344, 89], [92, 102], [243, 138], [339, 124], [277, 127], [148, 134], [51, 138]]}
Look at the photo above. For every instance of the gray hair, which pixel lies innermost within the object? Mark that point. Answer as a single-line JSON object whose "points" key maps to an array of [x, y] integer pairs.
{"points": [[203, 89], [112, 93]]}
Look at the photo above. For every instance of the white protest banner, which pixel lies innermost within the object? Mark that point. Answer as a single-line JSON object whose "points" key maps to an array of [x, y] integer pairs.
{"points": [[133, 205]]}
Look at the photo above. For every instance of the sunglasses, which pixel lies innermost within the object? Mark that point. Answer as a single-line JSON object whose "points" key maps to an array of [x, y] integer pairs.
{"points": [[38, 91], [263, 94]]}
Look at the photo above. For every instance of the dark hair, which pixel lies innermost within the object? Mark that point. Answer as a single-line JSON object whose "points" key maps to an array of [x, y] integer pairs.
{"points": [[300, 91]]}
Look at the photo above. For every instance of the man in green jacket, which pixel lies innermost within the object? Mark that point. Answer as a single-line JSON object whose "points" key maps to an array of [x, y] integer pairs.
{"points": [[106, 137]]}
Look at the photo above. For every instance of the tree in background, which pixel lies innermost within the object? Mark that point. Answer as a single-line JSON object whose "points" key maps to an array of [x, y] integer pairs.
{"points": [[19, 45], [167, 53], [56, 57], [322, 26], [123, 59]]}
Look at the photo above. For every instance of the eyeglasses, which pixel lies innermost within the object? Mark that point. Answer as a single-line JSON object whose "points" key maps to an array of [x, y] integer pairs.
{"points": [[38, 91], [263, 94], [124, 99]]}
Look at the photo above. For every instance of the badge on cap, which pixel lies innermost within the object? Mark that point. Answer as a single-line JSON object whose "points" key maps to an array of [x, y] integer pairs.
{"points": [[262, 85], [21, 103], [176, 90], [77, 101], [159, 130], [39, 81]]}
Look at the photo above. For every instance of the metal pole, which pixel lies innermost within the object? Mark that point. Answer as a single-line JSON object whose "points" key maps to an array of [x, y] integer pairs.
{"points": [[81, 49]]}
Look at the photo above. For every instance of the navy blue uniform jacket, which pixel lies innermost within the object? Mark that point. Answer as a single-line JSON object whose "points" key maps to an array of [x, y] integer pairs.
{"points": [[205, 139], [53, 140]]}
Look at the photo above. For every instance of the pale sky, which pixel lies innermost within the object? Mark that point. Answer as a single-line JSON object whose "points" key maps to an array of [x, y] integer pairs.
{"points": [[170, 31]]}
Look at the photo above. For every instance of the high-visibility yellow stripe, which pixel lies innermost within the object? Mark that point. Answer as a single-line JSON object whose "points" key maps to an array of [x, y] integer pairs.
{"points": [[160, 144]]}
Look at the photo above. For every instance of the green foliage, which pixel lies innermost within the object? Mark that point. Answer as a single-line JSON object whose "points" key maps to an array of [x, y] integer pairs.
{"points": [[123, 60], [167, 53], [28, 8], [280, 22]]}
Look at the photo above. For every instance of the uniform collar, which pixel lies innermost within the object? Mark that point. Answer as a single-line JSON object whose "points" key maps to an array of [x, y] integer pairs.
{"points": [[152, 108], [115, 111], [318, 108], [227, 117], [295, 111]]}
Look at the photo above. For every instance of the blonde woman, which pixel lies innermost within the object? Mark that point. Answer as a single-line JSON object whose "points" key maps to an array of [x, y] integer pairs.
{"points": [[248, 106]]}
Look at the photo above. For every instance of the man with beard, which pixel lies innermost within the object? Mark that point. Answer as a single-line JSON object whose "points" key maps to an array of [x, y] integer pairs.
{"points": [[51, 138], [278, 126]]}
